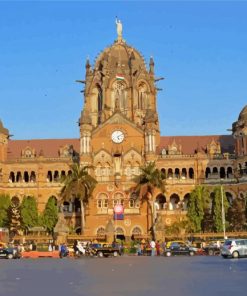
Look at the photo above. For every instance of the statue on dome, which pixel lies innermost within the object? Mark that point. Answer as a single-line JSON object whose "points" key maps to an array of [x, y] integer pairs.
{"points": [[119, 28]]}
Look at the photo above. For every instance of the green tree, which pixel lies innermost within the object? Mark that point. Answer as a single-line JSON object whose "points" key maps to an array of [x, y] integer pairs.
{"points": [[198, 206], [49, 217], [150, 179], [236, 215], [4, 206], [29, 212], [217, 208], [80, 185]]}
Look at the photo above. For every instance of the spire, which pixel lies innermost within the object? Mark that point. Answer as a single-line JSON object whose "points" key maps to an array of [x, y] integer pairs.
{"points": [[3, 130], [151, 65], [88, 66]]}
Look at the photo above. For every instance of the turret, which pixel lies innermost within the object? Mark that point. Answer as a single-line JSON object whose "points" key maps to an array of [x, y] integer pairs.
{"points": [[239, 130], [4, 136]]}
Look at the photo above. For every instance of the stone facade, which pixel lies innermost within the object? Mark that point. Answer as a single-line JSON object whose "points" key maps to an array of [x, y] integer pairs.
{"points": [[119, 132]]}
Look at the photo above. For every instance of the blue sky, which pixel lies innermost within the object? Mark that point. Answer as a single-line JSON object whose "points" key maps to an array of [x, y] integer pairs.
{"points": [[199, 47]]}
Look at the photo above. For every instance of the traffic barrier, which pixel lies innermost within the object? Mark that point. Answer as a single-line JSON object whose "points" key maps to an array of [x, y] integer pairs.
{"points": [[39, 254]]}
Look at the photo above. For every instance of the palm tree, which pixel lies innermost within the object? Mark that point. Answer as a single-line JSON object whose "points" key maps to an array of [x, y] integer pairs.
{"points": [[150, 179], [79, 184]]}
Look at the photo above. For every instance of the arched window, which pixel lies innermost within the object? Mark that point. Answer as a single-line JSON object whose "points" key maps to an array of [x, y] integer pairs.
{"points": [[49, 176], [215, 171], [118, 199], [66, 206], [163, 173], [185, 201], [161, 200], [229, 172], [229, 198], [170, 174], [56, 176], [177, 173], [12, 177], [184, 173], [174, 200], [222, 173], [119, 231], [101, 231], [33, 177], [208, 172], [191, 173], [102, 201], [26, 177], [119, 88], [136, 231], [142, 96], [18, 177]]}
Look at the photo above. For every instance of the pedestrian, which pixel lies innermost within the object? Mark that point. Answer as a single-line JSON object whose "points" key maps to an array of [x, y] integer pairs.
{"points": [[152, 246], [158, 248]]}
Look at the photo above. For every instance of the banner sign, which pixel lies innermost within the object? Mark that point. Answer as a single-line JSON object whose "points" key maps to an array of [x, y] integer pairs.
{"points": [[118, 212]]}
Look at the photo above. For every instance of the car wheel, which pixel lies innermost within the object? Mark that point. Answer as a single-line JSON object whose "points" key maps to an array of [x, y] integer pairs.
{"points": [[10, 256], [115, 254], [168, 254], [100, 254], [235, 254], [210, 252], [192, 253]]}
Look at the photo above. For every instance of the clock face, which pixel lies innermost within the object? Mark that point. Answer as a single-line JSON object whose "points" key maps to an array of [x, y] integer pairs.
{"points": [[117, 137]]}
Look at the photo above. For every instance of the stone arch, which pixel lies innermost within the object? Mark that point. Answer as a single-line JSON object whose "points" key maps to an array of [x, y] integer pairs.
{"points": [[119, 95], [163, 173], [185, 201], [49, 176], [207, 172], [170, 173], [229, 172], [222, 173], [142, 99], [174, 200], [18, 177], [184, 173], [26, 177], [32, 176], [12, 177], [215, 171], [136, 230], [161, 201], [191, 173], [177, 173], [119, 230], [100, 231]]}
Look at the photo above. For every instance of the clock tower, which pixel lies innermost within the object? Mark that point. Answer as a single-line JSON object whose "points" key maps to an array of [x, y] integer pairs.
{"points": [[119, 127]]}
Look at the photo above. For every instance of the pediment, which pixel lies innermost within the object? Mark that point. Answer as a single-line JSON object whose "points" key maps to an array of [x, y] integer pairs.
{"points": [[117, 118]]}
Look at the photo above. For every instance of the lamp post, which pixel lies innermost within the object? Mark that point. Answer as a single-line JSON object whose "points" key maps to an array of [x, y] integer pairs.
{"points": [[223, 211]]}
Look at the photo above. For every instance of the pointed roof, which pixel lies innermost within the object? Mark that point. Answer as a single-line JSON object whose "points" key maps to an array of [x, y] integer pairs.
{"points": [[3, 130]]}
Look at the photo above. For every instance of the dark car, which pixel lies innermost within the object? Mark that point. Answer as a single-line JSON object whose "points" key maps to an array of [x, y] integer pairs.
{"points": [[177, 248], [10, 253]]}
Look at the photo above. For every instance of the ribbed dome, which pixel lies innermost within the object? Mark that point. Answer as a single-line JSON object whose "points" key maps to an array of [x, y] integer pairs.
{"points": [[119, 52], [243, 114]]}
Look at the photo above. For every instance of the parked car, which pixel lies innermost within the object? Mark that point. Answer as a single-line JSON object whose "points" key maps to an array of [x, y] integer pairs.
{"points": [[213, 248], [104, 250], [10, 253], [179, 248], [234, 248]]}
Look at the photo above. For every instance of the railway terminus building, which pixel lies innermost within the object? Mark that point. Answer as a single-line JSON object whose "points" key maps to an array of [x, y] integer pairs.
{"points": [[119, 132]]}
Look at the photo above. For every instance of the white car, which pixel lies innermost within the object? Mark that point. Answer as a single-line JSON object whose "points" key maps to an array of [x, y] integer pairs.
{"points": [[234, 248]]}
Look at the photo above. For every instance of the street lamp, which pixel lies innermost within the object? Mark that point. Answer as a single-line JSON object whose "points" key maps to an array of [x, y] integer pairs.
{"points": [[223, 211]]}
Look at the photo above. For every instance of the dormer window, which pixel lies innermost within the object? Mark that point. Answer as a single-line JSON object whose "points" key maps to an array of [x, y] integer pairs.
{"points": [[28, 152]]}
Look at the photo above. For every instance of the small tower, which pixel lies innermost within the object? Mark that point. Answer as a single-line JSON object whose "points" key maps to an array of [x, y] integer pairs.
{"points": [[4, 136], [239, 130]]}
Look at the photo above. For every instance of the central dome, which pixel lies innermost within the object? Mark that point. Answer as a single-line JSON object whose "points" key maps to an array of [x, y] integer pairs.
{"points": [[118, 56], [243, 114]]}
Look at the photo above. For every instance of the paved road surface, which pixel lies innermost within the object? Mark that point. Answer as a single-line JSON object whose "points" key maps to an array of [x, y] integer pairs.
{"points": [[137, 276]]}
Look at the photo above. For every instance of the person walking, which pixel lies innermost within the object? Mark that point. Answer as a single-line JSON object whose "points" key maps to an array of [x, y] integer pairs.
{"points": [[158, 248], [152, 246]]}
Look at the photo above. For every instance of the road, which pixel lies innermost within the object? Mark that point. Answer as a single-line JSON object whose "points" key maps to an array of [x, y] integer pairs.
{"points": [[127, 275]]}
